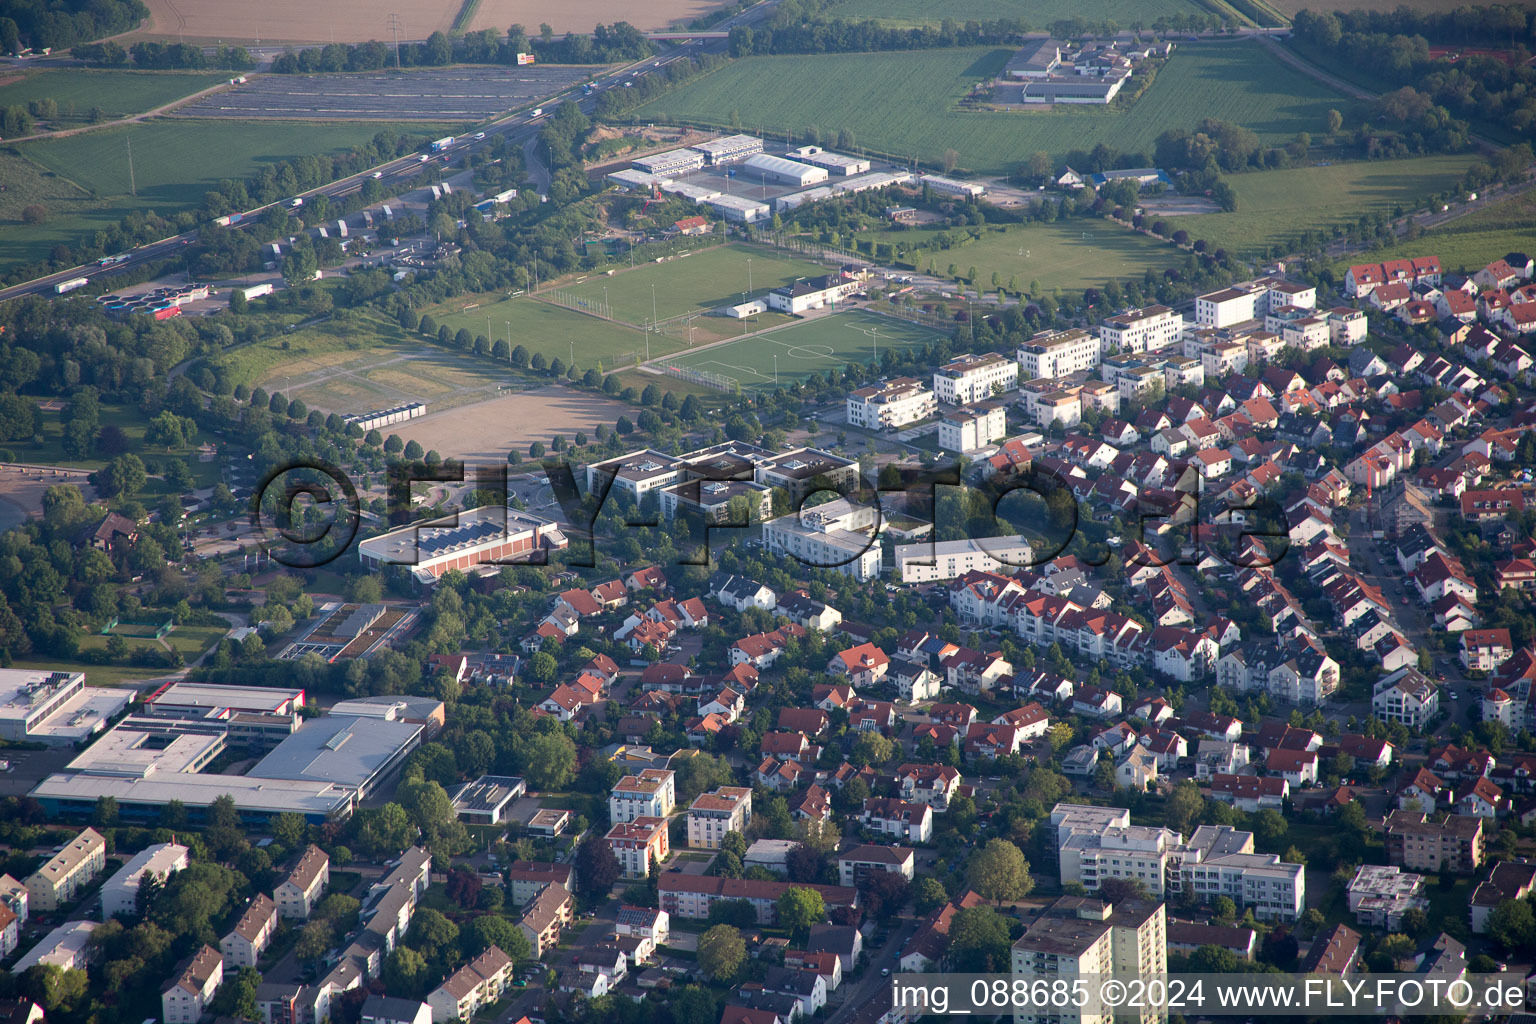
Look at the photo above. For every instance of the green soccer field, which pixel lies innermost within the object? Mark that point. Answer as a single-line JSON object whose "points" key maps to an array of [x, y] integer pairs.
{"points": [[904, 103], [719, 276], [542, 327], [794, 353]]}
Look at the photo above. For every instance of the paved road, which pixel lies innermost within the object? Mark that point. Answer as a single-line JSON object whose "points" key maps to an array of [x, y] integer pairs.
{"points": [[858, 994]]}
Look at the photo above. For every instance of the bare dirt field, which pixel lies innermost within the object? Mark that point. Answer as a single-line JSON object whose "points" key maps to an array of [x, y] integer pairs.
{"points": [[486, 431], [585, 15], [355, 21]]}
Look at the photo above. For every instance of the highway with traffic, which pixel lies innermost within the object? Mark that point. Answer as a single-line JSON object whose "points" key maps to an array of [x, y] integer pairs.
{"points": [[520, 128]]}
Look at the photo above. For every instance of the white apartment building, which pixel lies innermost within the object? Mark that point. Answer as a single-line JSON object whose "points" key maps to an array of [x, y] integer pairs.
{"points": [[971, 427], [1226, 307], [1280, 292], [1064, 407], [478, 983], [1079, 938], [651, 794], [243, 946], [1406, 696], [1223, 359], [1094, 843], [297, 894], [1149, 329], [1058, 353], [712, 815], [893, 404], [197, 980], [838, 535], [945, 560], [972, 378], [120, 893]]}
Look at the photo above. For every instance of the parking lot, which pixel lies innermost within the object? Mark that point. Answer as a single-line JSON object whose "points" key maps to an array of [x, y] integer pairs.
{"points": [[439, 94]]}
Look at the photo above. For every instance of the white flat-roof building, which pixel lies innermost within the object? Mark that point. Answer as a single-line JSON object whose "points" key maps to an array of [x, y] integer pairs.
{"points": [[629, 177], [781, 171], [256, 799], [359, 753], [488, 536], [973, 378], [1226, 307], [728, 148], [971, 427], [55, 708], [953, 187], [838, 535], [120, 893], [946, 560], [651, 794], [485, 800], [1149, 329], [207, 700], [795, 200], [670, 164], [871, 181], [738, 209], [693, 193], [895, 403], [835, 163], [1058, 353]]}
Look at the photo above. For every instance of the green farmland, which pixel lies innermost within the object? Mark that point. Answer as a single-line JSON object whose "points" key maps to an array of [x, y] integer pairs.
{"points": [[1469, 242], [1236, 81], [1070, 255], [800, 350], [1274, 206], [83, 179], [1037, 13], [115, 93], [685, 284]]}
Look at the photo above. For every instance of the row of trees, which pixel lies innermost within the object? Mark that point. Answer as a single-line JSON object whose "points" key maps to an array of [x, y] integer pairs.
{"points": [[607, 44]]}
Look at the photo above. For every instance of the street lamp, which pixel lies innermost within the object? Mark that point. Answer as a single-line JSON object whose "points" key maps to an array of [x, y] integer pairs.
{"points": [[775, 369], [653, 304], [749, 275]]}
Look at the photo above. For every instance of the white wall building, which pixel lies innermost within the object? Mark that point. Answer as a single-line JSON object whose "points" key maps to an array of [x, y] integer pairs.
{"points": [[1226, 307], [1058, 353], [895, 403], [953, 558], [972, 378], [1149, 329], [971, 427]]}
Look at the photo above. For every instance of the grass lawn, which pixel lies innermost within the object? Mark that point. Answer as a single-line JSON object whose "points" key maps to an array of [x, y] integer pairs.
{"points": [[684, 284], [191, 641], [1236, 81], [1468, 243], [1274, 206], [805, 348], [1070, 255], [116, 93], [95, 675], [1037, 13], [83, 179]]}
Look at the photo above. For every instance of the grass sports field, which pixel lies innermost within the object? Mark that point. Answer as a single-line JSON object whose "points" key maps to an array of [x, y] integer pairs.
{"points": [[1273, 206], [1236, 81], [1037, 13], [1070, 255], [685, 284], [805, 348], [116, 93], [83, 179], [542, 327]]}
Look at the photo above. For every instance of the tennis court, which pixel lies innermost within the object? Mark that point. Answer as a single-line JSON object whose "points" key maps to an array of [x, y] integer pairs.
{"points": [[793, 353]]}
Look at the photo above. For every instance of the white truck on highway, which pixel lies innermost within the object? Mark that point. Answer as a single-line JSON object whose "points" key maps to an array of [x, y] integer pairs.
{"points": [[71, 285]]}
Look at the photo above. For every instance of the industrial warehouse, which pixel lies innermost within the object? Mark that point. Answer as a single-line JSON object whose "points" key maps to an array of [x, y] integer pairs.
{"points": [[737, 180]]}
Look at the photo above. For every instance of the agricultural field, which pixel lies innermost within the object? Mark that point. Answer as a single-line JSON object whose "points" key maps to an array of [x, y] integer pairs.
{"points": [[1070, 255], [1273, 206], [1470, 242], [1290, 8], [357, 21], [1036, 13], [83, 179], [718, 276], [115, 93], [1232, 81], [795, 353]]}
